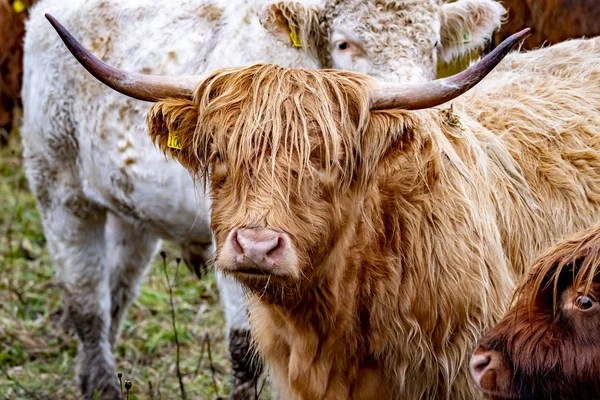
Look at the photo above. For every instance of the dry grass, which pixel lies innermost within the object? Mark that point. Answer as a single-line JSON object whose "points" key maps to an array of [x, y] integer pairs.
{"points": [[37, 359]]}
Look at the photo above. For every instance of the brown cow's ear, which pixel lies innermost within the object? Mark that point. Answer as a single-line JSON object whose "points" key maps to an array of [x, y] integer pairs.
{"points": [[467, 25], [172, 125], [292, 22]]}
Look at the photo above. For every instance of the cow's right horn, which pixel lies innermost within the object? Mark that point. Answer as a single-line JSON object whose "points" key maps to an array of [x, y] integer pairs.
{"points": [[416, 96], [139, 86]]}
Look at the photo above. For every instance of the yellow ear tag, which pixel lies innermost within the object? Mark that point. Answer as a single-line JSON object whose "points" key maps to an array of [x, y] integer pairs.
{"points": [[173, 141], [19, 6], [467, 37], [294, 37]]}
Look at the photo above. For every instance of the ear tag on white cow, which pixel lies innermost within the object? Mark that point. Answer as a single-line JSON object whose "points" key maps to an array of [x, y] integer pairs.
{"points": [[19, 6], [294, 37], [467, 37], [173, 141]]}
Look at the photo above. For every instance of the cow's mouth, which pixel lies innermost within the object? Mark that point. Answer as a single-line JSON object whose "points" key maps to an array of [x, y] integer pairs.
{"points": [[251, 270]]}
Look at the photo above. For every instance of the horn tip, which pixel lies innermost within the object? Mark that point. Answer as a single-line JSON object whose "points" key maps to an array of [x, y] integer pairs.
{"points": [[54, 22], [522, 34]]}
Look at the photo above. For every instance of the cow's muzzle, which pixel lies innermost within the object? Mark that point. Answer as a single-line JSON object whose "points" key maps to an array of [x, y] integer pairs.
{"points": [[258, 251], [491, 373]]}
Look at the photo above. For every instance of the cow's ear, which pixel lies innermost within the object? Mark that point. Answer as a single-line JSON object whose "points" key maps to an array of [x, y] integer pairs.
{"points": [[468, 25], [292, 22], [172, 125]]}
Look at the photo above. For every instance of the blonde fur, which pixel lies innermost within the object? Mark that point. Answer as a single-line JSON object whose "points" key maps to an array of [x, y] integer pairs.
{"points": [[410, 227]]}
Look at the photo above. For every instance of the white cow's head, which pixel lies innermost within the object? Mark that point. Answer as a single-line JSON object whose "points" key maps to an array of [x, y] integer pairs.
{"points": [[397, 40]]}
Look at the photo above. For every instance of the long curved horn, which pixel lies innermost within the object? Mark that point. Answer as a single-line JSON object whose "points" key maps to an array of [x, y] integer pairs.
{"points": [[417, 96], [139, 86]]}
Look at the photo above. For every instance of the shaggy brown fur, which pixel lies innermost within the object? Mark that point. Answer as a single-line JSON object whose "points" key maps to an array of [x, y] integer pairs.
{"points": [[410, 227], [12, 30], [549, 344], [551, 21]]}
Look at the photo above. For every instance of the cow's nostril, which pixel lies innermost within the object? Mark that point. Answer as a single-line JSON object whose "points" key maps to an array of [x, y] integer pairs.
{"points": [[480, 363], [237, 247], [278, 246]]}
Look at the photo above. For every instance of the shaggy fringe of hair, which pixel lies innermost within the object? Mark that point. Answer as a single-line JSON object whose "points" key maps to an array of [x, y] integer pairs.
{"points": [[579, 255], [247, 115]]}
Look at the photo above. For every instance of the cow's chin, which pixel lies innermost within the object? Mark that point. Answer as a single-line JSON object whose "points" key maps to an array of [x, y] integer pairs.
{"points": [[275, 287], [495, 395], [499, 388]]}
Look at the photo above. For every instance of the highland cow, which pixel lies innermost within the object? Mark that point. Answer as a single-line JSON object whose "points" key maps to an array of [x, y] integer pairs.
{"points": [[547, 345], [93, 170]]}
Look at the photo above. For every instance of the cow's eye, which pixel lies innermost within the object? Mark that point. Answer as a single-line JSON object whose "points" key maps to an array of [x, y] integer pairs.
{"points": [[584, 302], [342, 45]]}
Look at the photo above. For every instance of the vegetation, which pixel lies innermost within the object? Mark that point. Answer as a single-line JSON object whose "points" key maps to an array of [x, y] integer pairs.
{"points": [[37, 358]]}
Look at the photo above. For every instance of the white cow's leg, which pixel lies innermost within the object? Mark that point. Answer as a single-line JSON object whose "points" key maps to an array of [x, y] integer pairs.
{"points": [[75, 231], [246, 367], [130, 249]]}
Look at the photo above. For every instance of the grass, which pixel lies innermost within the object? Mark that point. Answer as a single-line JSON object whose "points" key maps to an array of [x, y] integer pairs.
{"points": [[37, 359]]}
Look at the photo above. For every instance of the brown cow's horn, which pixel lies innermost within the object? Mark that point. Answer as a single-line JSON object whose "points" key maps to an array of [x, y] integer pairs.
{"points": [[418, 96], [138, 86]]}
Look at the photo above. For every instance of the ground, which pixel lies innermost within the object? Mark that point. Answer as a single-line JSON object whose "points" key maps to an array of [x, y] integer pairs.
{"points": [[37, 359]]}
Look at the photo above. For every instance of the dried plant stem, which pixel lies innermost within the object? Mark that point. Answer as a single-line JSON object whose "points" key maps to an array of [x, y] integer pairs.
{"points": [[212, 367], [173, 321]]}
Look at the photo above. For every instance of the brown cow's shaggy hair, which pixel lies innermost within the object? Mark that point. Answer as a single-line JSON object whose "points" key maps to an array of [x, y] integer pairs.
{"points": [[551, 21], [551, 350], [578, 256], [410, 227], [12, 30]]}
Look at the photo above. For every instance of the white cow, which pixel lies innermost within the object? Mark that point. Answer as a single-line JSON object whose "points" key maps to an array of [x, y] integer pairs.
{"points": [[107, 196]]}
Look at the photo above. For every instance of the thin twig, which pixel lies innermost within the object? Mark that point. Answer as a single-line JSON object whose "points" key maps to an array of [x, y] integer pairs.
{"points": [[201, 358], [27, 392], [120, 376], [212, 367], [173, 320], [128, 386]]}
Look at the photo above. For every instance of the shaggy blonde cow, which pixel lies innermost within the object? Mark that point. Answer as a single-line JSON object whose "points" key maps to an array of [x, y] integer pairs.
{"points": [[379, 235], [93, 170]]}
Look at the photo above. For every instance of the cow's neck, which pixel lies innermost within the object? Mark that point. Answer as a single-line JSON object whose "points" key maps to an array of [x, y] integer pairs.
{"points": [[314, 339]]}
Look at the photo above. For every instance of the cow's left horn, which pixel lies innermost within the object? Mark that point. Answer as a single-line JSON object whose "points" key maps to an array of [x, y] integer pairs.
{"points": [[138, 86], [418, 96]]}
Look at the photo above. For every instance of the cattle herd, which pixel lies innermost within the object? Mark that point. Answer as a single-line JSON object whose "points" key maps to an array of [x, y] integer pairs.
{"points": [[377, 233]]}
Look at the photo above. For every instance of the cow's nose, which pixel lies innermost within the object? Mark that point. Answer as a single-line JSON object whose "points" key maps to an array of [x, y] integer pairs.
{"points": [[483, 366], [258, 247]]}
